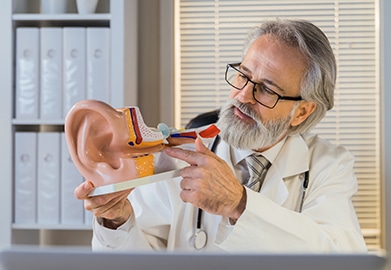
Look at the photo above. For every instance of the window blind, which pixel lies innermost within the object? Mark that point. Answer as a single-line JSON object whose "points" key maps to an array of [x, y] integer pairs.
{"points": [[211, 33]]}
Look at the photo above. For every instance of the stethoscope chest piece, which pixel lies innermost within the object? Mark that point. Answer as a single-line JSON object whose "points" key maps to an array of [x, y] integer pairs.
{"points": [[200, 238]]}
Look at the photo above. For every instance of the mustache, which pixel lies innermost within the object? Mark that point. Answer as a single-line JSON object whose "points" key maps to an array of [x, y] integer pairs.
{"points": [[245, 109]]}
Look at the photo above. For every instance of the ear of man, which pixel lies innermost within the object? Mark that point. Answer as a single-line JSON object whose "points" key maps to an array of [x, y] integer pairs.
{"points": [[302, 112]]}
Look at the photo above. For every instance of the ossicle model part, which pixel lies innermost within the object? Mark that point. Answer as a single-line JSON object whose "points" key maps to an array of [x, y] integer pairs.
{"points": [[139, 134], [110, 145]]}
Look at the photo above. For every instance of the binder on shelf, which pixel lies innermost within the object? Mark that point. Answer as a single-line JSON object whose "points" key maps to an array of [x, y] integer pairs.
{"points": [[74, 67], [27, 73], [51, 73], [25, 164], [98, 63], [72, 209], [48, 178]]}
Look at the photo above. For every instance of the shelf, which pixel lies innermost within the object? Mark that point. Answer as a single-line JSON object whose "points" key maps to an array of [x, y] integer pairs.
{"points": [[122, 50], [36, 122], [51, 227], [61, 17], [61, 20]]}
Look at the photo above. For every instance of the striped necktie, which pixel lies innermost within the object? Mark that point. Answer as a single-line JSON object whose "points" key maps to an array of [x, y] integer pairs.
{"points": [[257, 169]]}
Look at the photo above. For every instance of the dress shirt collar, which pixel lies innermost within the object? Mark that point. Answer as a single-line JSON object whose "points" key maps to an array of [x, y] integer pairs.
{"points": [[239, 154]]}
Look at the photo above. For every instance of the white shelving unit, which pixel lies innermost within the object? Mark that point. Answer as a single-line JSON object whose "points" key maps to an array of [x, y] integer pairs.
{"points": [[121, 17]]}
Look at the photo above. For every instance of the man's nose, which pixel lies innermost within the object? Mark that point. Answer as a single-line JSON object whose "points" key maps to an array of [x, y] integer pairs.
{"points": [[246, 94]]}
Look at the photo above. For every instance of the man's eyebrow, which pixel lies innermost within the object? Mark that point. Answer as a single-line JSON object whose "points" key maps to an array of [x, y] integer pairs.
{"points": [[246, 69]]}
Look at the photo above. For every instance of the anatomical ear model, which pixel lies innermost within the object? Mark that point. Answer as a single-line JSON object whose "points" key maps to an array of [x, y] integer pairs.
{"points": [[110, 145]]}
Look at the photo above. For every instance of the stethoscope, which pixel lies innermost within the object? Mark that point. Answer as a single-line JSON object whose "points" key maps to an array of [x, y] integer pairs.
{"points": [[200, 237]]}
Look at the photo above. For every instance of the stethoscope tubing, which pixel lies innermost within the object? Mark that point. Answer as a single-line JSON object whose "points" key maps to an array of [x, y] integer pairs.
{"points": [[200, 236]]}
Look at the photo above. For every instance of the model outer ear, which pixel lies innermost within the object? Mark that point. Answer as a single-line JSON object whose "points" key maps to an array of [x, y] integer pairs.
{"points": [[97, 136]]}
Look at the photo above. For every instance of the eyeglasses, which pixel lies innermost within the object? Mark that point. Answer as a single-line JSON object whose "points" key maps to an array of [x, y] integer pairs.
{"points": [[261, 93]]}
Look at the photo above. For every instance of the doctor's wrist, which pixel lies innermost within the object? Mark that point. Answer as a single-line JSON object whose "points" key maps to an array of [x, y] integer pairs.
{"points": [[114, 223], [239, 209]]}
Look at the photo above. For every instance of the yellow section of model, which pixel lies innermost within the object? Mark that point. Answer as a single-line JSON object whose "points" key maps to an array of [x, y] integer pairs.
{"points": [[144, 165]]}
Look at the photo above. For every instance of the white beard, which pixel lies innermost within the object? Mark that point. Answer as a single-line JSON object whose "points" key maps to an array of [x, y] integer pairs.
{"points": [[243, 135]]}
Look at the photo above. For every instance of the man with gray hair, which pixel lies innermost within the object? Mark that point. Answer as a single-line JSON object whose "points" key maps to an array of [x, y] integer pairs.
{"points": [[268, 185]]}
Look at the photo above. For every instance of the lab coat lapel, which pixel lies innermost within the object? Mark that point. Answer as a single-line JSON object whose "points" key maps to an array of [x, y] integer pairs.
{"points": [[224, 152], [291, 160]]}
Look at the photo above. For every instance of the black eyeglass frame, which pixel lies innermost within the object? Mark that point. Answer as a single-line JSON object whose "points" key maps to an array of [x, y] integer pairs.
{"points": [[279, 97]]}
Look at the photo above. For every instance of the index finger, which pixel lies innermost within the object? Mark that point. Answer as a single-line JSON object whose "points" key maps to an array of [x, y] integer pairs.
{"points": [[191, 157]]}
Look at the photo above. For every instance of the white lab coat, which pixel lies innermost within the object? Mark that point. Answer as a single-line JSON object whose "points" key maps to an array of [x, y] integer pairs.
{"points": [[271, 221]]}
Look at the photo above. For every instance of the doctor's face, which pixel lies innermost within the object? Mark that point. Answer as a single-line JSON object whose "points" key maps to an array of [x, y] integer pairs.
{"points": [[244, 122]]}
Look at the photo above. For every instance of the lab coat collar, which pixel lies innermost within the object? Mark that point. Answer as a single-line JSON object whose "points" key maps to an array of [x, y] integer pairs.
{"points": [[237, 155], [293, 159]]}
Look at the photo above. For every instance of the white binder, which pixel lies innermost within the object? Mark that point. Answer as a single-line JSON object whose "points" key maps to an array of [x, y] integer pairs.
{"points": [[98, 63], [51, 73], [48, 178], [27, 73], [74, 66], [72, 209], [25, 178]]}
